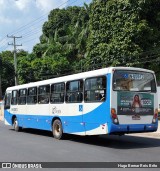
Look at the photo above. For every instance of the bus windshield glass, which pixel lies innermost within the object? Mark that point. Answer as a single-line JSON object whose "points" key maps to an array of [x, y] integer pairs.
{"points": [[126, 80]]}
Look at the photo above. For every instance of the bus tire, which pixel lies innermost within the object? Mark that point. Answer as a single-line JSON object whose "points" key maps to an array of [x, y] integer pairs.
{"points": [[16, 125], [57, 129]]}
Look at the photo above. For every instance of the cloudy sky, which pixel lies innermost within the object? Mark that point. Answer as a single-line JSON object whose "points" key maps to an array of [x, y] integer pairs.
{"points": [[25, 18]]}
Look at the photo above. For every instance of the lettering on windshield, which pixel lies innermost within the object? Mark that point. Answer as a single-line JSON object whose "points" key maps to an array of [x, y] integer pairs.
{"points": [[136, 76]]}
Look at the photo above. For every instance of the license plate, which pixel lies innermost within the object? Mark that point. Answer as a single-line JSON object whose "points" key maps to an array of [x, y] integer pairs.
{"points": [[136, 117]]}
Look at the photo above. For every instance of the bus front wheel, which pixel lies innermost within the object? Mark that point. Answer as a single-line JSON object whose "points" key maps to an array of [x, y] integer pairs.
{"points": [[57, 129], [16, 125]]}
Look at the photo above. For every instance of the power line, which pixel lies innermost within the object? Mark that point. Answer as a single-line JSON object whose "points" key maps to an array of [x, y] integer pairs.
{"points": [[32, 33], [29, 40], [39, 19], [24, 27], [34, 22], [53, 27]]}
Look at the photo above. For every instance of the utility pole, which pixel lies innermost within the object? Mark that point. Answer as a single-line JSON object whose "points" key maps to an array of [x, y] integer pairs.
{"points": [[15, 55]]}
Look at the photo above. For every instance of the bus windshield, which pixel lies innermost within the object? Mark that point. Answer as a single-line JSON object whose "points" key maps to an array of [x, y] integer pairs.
{"points": [[127, 80]]}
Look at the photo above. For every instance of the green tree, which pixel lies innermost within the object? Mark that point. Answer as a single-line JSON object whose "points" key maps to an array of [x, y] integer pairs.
{"points": [[121, 31], [104, 33], [7, 70], [66, 32], [25, 70]]}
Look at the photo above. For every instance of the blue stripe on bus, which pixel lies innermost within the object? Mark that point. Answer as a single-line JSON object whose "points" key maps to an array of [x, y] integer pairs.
{"points": [[71, 124], [44, 123]]}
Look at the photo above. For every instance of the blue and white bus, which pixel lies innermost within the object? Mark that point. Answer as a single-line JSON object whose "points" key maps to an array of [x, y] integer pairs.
{"points": [[114, 100]]}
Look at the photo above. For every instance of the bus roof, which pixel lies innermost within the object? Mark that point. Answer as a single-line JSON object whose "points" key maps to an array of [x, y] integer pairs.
{"points": [[82, 75]]}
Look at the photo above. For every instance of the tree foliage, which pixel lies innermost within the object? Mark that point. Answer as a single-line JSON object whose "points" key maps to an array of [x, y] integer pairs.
{"points": [[6, 70], [121, 31], [104, 33]]}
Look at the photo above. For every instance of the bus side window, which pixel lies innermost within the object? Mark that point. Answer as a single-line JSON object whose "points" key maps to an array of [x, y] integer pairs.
{"points": [[32, 95], [14, 98], [7, 100], [95, 89], [57, 93], [22, 96], [74, 91], [43, 94]]}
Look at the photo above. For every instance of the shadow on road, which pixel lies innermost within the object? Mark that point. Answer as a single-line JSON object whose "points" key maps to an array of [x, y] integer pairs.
{"points": [[119, 142], [36, 132], [109, 141]]}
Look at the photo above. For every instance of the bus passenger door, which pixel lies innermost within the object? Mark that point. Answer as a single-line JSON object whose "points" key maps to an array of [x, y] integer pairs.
{"points": [[95, 105], [7, 102], [73, 119]]}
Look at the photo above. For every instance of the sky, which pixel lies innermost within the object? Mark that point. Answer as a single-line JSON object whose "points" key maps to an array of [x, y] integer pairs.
{"points": [[25, 18]]}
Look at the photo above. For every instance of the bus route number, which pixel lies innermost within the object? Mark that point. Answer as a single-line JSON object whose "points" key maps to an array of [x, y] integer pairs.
{"points": [[136, 76]]}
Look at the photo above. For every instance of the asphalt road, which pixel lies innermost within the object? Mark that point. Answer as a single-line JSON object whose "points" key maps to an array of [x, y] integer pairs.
{"points": [[31, 145]]}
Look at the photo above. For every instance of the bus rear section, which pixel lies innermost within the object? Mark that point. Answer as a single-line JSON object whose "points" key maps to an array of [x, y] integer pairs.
{"points": [[158, 91], [133, 101]]}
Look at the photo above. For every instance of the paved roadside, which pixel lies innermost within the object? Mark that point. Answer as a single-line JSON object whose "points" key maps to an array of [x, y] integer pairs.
{"points": [[149, 135]]}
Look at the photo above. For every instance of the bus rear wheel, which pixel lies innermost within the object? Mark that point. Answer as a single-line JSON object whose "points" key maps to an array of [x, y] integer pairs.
{"points": [[57, 129], [16, 125]]}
